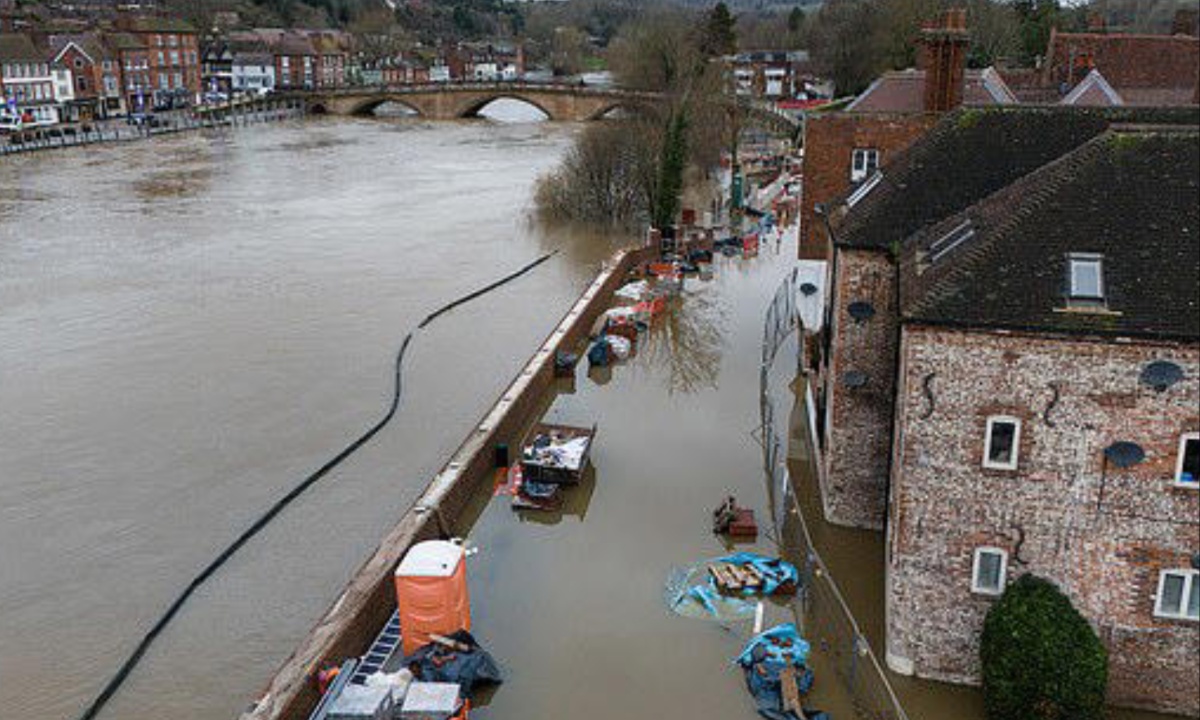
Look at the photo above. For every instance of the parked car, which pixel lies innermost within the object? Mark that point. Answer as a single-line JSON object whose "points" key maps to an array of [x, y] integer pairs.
{"points": [[142, 118]]}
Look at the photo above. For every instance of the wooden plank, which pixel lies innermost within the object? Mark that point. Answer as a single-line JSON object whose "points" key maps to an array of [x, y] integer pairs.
{"points": [[791, 693]]}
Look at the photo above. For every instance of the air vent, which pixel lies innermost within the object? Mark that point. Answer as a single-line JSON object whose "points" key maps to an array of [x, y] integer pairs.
{"points": [[808, 289], [1124, 454], [1161, 374], [854, 379], [861, 310]]}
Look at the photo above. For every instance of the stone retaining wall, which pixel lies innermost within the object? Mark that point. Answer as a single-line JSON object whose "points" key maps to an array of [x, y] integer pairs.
{"points": [[366, 603]]}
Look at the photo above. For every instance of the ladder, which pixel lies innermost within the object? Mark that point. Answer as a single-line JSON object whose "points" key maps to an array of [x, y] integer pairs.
{"points": [[380, 652]]}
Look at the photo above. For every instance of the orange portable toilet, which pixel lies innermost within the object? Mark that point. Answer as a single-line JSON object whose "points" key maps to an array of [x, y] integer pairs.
{"points": [[431, 593]]}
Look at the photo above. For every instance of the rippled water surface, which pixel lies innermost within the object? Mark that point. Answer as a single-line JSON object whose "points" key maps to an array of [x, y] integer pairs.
{"points": [[190, 326]]}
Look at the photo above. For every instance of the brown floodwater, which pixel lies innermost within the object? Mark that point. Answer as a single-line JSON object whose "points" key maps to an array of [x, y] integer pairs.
{"points": [[572, 603], [190, 326]]}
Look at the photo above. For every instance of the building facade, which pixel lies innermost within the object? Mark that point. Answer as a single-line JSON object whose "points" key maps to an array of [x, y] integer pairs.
{"points": [[1012, 384], [27, 81]]}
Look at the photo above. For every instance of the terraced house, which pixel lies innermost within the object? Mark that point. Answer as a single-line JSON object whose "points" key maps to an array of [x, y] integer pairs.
{"points": [[1013, 384]]}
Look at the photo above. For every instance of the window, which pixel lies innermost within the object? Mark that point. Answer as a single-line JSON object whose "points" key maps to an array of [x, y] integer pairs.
{"points": [[864, 162], [1001, 444], [1178, 595], [1187, 468], [988, 571], [1086, 275]]}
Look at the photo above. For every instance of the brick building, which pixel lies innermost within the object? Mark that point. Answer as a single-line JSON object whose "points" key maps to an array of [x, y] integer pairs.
{"points": [[1142, 70], [95, 72], [843, 150], [1047, 414], [969, 155], [770, 74], [169, 66]]}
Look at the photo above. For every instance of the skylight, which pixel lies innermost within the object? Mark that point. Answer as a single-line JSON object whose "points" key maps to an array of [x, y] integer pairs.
{"points": [[1086, 275], [863, 189], [960, 234]]}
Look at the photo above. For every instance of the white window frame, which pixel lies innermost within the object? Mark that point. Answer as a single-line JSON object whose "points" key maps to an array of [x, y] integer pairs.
{"points": [[1011, 464], [1183, 441], [1000, 581], [863, 162], [1079, 259], [1190, 578]]}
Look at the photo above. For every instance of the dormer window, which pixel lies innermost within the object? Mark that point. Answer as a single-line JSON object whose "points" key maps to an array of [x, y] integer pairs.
{"points": [[864, 162], [1086, 275]]}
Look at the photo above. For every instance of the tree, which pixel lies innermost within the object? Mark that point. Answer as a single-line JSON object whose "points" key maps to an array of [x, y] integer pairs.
{"points": [[1041, 659], [796, 21], [665, 202], [718, 36]]}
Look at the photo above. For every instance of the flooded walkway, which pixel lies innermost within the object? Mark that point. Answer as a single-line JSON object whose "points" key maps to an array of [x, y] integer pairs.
{"points": [[571, 603]]}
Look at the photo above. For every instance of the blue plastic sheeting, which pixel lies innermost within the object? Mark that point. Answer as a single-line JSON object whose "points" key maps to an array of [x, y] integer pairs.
{"points": [[775, 572], [691, 593], [774, 641], [763, 660]]}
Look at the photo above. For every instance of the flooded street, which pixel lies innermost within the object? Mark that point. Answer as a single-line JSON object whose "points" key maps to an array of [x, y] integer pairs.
{"points": [[190, 326], [572, 603]]}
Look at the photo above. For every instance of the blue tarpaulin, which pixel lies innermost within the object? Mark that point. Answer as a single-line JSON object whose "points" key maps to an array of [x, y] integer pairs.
{"points": [[763, 660]]}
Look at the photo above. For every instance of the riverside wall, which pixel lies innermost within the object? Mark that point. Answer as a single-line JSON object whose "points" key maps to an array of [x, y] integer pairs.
{"points": [[368, 600]]}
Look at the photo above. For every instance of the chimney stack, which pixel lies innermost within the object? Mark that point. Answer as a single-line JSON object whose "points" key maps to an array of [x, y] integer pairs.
{"points": [[944, 59]]}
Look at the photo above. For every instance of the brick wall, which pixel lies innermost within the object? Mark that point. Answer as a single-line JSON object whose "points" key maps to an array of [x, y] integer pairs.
{"points": [[858, 420], [1103, 534], [829, 142]]}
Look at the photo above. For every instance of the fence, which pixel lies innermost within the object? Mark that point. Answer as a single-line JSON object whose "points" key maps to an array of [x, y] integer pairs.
{"points": [[823, 616], [230, 115]]}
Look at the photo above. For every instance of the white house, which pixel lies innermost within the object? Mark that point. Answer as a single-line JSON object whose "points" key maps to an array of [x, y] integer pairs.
{"points": [[253, 73], [27, 81]]}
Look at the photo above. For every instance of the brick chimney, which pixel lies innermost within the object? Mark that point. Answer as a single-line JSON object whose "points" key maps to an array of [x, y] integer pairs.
{"points": [[943, 56]]}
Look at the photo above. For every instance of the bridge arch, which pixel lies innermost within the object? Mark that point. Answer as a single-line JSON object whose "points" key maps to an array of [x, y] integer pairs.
{"points": [[368, 106], [472, 107], [632, 107]]}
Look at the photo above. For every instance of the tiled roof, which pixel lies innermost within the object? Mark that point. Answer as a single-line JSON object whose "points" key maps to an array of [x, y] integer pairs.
{"points": [[15, 46], [151, 24], [903, 91], [1127, 61], [124, 41], [970, 154], [1128, 195]]}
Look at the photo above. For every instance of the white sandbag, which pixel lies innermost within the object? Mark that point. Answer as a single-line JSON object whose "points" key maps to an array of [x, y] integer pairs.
{"points": [[621, 347], [633, 291]]}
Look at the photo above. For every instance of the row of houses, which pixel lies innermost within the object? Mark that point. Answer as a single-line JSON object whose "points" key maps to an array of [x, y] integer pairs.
{"points": [[142, 64], [152, 63], [1007, 372], [266, 59]]}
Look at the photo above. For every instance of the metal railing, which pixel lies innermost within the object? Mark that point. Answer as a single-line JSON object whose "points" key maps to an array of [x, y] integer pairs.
{"points": [[822, 613]]}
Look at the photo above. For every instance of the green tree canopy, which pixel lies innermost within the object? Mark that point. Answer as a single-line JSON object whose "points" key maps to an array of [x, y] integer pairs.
{"points": [[1041, 659], [719, 37]]}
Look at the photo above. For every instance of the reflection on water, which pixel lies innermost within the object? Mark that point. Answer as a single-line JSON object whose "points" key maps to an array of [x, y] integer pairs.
{"points": [[690, 340]]}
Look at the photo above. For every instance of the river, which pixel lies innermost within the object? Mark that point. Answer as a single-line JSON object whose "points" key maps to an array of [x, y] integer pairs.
{"points": [[190, 326]]}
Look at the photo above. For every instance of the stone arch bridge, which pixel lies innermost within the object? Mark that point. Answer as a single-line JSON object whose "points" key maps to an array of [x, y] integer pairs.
{"points": [[449, 101]]}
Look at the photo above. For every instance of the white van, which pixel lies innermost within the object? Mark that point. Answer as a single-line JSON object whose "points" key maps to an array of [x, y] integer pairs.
{"points": [[10, 124]]}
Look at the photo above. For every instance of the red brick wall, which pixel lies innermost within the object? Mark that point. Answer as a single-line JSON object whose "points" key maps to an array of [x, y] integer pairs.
{"points": [[829, 142], [1101, 533], [858, 421]]}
